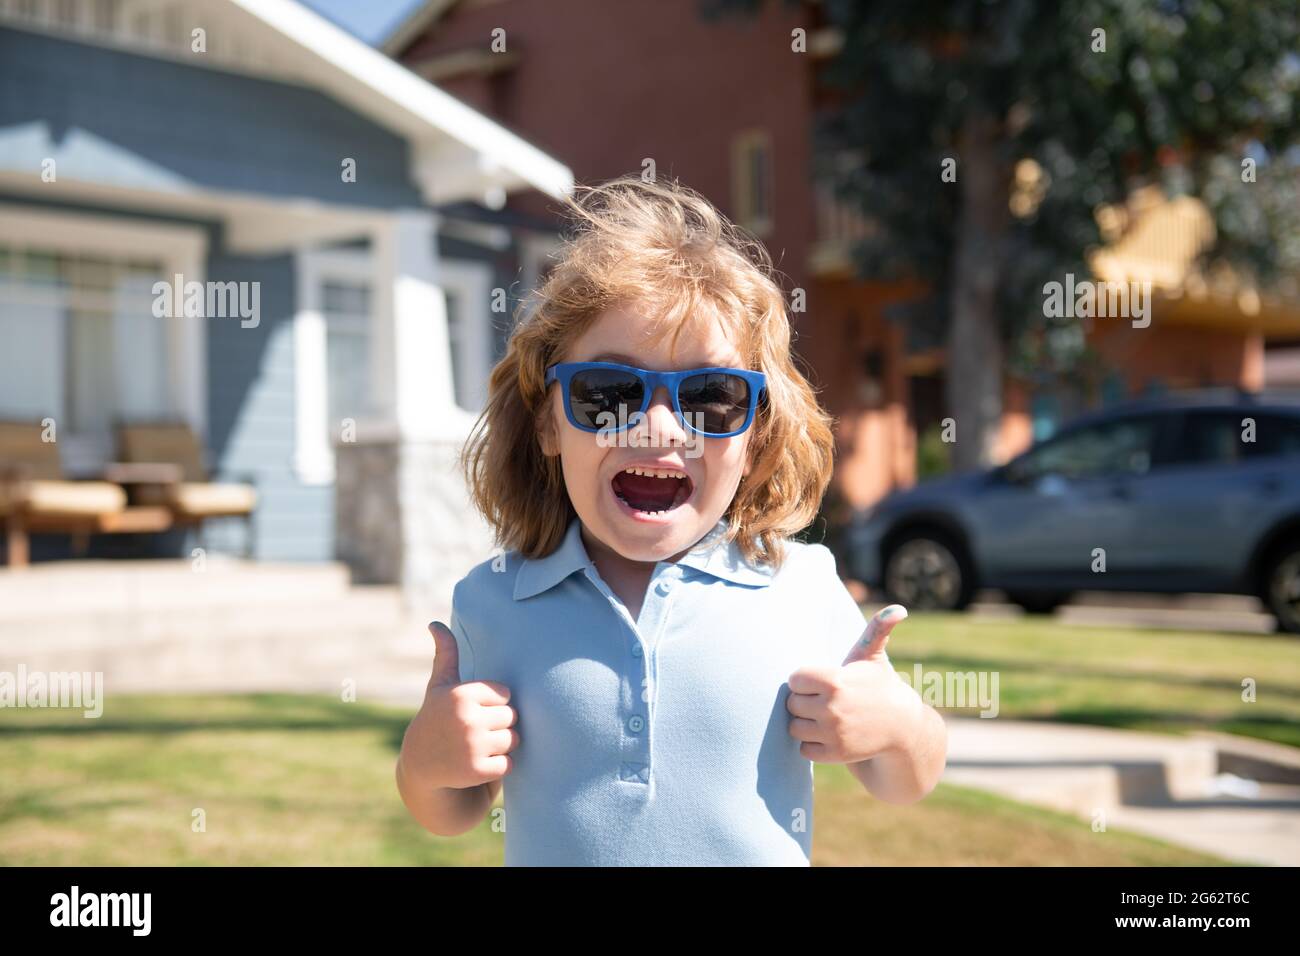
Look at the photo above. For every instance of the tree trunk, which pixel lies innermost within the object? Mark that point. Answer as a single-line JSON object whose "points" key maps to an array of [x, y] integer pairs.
{"points": [[974, 380]]}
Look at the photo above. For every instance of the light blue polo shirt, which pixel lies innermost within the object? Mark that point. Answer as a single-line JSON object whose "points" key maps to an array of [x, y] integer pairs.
{"points": [[664, 740]]}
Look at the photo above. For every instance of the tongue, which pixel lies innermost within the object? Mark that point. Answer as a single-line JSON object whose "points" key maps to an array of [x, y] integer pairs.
{"points": [[645, 493]]}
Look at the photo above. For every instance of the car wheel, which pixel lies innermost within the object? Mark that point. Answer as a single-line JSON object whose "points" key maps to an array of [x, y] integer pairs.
{"points": [[1038, 602], [926, 572], [1282, 588]]}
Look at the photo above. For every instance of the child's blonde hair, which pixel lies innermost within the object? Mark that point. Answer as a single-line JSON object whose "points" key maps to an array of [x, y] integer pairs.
{"points": [[664, 249]]}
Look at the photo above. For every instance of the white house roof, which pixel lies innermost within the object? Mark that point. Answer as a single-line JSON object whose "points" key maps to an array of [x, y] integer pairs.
{"points": [[456, 152], [460, 152]]}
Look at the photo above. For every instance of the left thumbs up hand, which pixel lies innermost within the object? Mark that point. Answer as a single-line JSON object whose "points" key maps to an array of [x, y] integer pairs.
{"points": [[853, 712]]}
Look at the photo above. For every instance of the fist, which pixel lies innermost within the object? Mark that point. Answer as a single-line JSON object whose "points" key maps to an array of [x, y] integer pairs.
{"points": [[463, 733], [850, 713]]}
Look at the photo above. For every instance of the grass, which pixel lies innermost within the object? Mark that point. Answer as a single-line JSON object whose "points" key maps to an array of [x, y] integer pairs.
{"points": [[290, 780], [1164, 681]]}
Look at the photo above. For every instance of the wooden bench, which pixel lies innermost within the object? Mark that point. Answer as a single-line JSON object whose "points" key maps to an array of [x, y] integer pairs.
{"points": [[35, 497]]}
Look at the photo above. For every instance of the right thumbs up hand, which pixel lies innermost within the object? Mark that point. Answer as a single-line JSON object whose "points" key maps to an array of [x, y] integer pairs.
{"points": [[463, 733]]}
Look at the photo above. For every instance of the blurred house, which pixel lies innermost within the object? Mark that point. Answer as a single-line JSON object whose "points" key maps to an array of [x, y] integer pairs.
{"points": [[725, 108], [221, 213]]}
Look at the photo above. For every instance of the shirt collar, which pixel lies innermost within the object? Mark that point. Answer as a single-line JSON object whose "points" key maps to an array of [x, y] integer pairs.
{"points": [[713, 555]]}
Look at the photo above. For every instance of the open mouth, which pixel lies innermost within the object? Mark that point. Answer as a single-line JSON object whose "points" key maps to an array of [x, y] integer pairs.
{"points": [[652, 491]]}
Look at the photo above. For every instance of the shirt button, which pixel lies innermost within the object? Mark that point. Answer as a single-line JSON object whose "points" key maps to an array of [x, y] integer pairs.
{"points": [[636, 649], [665, 586], [635, 723]]}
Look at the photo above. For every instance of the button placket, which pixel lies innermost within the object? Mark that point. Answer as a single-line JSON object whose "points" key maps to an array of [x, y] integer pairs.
{"points": [[634, 764], [654, 616], [639, 684]]}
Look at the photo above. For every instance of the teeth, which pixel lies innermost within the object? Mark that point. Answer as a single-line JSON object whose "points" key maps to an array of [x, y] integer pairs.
{"points": [[654, 472]]}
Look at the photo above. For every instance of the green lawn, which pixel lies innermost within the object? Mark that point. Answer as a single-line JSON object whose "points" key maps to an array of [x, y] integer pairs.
{"points": [[1165, 681], [292, 780]]}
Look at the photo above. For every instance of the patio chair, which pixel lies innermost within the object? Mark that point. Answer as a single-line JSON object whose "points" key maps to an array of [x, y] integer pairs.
{"points": [[36, 497], [191, 497]]}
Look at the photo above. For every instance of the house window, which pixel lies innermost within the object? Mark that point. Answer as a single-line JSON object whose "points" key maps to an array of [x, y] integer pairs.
{"points": [[79, 341], [752, 182], [467, 288], [346, 307]]}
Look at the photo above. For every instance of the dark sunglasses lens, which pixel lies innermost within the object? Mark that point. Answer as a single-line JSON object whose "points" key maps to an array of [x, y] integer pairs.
{"points": [[604, 398], [715, 403]]}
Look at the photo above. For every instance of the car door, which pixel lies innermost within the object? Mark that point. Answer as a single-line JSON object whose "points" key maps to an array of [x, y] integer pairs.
{"points": [[1042, 518], [1210, 502]]}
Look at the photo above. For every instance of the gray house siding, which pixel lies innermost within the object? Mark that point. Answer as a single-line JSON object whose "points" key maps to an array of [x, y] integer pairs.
{"points": [[251, 409], [224, 130]]}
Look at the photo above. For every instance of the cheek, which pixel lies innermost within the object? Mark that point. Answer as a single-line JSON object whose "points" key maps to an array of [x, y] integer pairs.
{"points": [[726, 461], [580, 456]]}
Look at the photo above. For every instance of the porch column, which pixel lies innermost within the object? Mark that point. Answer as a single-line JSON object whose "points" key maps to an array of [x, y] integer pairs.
{"points": [[412, 350], [403, 512]]}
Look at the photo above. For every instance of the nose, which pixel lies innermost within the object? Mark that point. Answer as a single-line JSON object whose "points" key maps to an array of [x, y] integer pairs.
{"points": [[661, 422]]}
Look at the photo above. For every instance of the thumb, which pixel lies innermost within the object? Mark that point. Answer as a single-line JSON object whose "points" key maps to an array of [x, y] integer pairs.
{"points": [[446, 656], [871, 645]]}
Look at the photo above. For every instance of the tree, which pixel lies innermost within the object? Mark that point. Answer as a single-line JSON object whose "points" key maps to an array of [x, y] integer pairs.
{"points": [[1039, 112]]}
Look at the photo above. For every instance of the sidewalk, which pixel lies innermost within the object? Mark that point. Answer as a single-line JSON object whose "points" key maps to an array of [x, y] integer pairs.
{"points": [[1186, 790]]}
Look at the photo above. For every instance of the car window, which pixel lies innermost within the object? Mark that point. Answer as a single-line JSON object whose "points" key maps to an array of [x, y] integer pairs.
{"points": [[1210, 438], [1120, 447], [1276, 436], [1231, 437]]}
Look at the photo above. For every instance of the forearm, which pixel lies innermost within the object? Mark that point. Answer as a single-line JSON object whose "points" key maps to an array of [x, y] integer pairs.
{"points": [[909, 771], [446, 811]]}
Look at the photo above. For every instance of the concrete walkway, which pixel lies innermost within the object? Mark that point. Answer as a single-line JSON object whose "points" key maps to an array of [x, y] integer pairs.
{"points": [[1192, 791], [1219, 613], [231, 626]]}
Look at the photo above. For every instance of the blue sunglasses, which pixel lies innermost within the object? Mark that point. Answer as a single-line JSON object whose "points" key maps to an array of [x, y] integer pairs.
{"points": [[602, 396]]}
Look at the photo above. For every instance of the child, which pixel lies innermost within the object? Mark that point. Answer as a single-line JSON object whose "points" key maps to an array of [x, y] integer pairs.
{"points": [[652, 665]]}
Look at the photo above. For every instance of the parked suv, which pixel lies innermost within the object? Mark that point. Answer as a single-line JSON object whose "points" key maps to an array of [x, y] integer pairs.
{"points": [[1188, 494]]}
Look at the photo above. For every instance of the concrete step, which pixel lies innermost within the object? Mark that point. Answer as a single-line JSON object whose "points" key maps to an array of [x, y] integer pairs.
{"points": [[1260, 760], [105, 587], [1196, 790], [286, 661], [368, 608], [1121, 766], [278, 656]]}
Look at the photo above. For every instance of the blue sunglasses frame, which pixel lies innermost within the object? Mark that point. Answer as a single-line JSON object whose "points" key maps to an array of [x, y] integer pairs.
{"points": [[563, 372]]}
